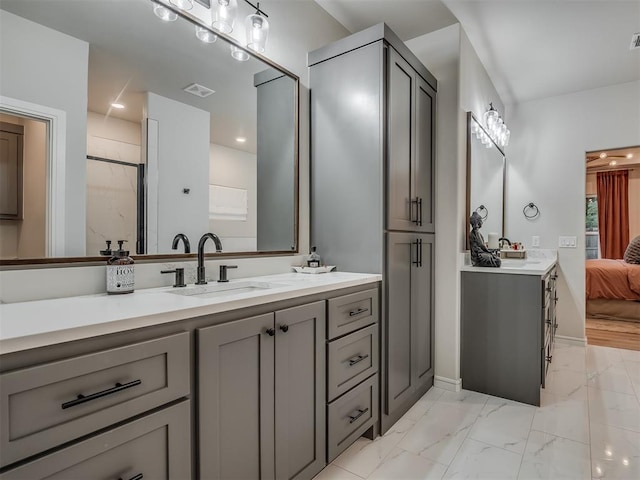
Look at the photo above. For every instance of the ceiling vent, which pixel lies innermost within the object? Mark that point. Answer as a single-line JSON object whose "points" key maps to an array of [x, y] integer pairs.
{"points": [[199, 90], [635, 41]]}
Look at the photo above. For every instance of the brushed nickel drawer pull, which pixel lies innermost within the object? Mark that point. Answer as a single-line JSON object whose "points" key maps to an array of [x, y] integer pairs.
{"points": [[357, 359], [353, 418], [353, 313], [135, 477], [87, 398]]}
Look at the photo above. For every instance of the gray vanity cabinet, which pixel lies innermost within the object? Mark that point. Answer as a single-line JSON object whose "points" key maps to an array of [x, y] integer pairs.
{"points": [[410, 104], [508, 324], [261, 397], [409, 311]]}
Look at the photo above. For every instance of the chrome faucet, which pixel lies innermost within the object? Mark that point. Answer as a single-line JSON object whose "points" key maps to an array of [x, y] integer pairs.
{"points": [[185, 240], [201, 272], [501, 243]]}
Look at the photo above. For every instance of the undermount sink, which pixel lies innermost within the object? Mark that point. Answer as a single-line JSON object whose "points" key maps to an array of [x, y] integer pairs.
{"points": [[217, 290], [513, 263]]}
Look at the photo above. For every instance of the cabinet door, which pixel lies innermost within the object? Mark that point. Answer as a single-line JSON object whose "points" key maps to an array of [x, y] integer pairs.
{"points": [[424, 156], [401, 251], [401, 206], [422, 313], [300, 391], [236, 382]]}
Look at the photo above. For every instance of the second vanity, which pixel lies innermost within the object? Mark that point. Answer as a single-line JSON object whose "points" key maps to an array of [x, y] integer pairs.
{"points": [[268, 377], [508, 324]]}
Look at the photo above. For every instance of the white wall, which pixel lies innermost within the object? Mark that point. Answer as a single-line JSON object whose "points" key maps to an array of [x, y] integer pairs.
{"points": [[182, 162], [48, 68], [463, 85], [546, 165], [237, 169]]}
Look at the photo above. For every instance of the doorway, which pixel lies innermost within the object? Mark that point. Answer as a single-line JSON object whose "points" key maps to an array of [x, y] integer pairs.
{"points": [[612, 219]]}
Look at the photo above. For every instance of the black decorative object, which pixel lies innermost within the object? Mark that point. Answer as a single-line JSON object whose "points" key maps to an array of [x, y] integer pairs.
{"points": [[531, 211], [481, 256]]}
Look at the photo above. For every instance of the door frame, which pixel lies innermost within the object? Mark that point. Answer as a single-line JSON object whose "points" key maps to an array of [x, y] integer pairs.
{"points": [[56, 121]]}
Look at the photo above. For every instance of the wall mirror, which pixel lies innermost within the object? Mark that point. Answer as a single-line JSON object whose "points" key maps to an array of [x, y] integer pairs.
{"points": [[121, 126], [485, 179]]}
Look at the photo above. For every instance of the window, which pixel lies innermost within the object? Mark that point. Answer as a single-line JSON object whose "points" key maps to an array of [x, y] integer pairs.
{"points": [[592, 249]]}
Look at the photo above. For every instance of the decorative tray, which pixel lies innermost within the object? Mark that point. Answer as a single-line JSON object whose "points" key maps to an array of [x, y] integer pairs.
{"points": [[324, 269]]}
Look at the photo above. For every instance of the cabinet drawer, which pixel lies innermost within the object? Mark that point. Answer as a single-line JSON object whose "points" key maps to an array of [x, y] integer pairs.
{"points": [[47, 405], [153, 447], [351, 415], [352, 359], [351, 312]]}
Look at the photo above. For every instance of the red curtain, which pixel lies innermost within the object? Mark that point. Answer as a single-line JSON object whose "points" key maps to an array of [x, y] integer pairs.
{"points": [[613, 213]]}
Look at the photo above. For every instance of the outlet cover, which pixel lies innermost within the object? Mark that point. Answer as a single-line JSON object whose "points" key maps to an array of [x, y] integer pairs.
{"points": [[568, 242], [535, 241]]}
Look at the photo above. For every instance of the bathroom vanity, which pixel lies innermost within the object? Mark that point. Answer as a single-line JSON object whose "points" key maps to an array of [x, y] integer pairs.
{"points": [[269, 377], [508, 327]]}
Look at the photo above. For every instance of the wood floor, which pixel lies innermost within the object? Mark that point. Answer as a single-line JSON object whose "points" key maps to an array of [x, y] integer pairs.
{"points": [[613, 333]]}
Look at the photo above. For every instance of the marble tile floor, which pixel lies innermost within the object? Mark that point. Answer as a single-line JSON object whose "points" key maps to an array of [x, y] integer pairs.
{"points": [[588, 427]]}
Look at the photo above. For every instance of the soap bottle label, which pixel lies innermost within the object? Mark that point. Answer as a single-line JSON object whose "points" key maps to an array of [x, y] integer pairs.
{"points": [[120, 278]]}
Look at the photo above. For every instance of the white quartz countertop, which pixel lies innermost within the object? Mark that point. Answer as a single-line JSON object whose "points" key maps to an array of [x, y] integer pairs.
{"points": [[538, 262], [40, 323]]}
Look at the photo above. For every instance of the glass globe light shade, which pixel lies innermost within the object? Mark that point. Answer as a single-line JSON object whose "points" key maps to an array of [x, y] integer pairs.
{"points": [[205, 35], [224, 14], [163, 13], [239, 54], [257, 28], [182, 4]]}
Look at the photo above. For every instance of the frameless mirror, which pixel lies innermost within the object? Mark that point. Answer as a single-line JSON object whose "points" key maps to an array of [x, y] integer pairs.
{"points": [[485, 179], [116, 125]]}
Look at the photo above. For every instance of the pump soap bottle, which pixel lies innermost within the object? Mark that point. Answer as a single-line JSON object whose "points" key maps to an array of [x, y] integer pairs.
{"points": [[120, 272], [313, 260]]}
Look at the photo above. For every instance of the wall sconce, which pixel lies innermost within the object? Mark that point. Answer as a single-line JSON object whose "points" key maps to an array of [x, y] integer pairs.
{"points": [[496, 128]]}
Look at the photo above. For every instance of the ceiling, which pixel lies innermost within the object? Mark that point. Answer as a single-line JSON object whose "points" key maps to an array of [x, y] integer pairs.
{"points": [[621, 157], [136, 53], [531, 48]]}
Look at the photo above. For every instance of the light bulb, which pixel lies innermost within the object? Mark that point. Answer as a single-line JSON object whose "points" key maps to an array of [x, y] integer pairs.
{"points": [[205, 35], [164, 14]]}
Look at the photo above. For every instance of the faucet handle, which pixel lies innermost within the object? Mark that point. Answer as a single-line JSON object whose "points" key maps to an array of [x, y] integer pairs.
{"points": [[223, 272], [179, 281]]}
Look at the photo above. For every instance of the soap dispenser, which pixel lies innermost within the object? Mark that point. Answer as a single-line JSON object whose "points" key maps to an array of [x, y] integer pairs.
{"points": [[120, 272], [313, 260]]}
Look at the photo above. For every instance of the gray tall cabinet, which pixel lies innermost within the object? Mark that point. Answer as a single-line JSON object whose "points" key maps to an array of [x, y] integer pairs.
{"points": [[372, 193]]}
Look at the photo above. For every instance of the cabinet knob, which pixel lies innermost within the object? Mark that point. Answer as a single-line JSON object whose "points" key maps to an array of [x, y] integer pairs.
{"points": [[284, 328], [270, 331]]}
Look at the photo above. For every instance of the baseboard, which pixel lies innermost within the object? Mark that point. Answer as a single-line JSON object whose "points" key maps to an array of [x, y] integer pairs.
{"points": [[582, 342], [447, 383]]}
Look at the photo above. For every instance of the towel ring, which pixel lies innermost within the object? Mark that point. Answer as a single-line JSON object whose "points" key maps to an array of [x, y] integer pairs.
{"points": [[531, 208], [480, 209]]}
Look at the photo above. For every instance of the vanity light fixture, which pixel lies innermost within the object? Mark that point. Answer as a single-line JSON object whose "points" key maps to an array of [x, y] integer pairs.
{"points": [[629, 155], [603, 155], [119, 106], [496, 127], [224, 14], [613, 163], [257, 28], [241, 139]]}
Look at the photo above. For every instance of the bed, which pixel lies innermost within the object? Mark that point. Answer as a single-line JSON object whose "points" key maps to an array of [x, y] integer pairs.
{"points": [[613, 289]]}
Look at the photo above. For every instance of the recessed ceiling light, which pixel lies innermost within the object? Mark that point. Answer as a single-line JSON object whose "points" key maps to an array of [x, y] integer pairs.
{"points": [[613, 163], [241, 139], [119, 106], [629, 155], [603, 155]]}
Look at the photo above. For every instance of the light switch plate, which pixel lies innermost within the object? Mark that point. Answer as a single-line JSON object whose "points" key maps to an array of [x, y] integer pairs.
{"points": [[568, 242], [535, 241]]}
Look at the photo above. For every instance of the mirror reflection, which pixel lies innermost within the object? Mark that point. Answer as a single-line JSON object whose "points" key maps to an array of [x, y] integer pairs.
{"points": [[485, 179], [115, 125]]}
